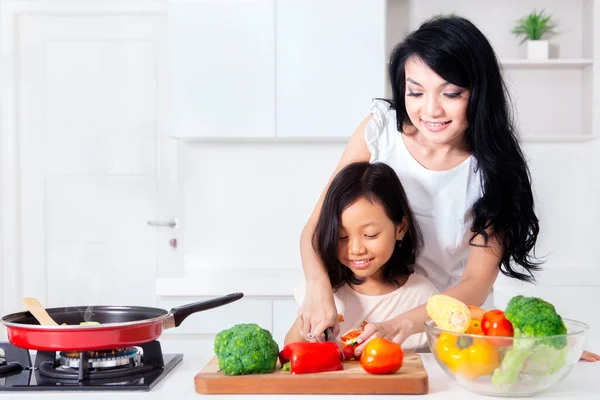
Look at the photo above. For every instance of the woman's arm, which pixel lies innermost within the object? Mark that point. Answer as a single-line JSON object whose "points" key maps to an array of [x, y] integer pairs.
{"points": [[481, 271], [318, 312]]}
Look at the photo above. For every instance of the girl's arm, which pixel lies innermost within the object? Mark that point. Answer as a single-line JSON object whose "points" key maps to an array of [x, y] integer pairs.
{"points": [[476, 283], [318, 312]]}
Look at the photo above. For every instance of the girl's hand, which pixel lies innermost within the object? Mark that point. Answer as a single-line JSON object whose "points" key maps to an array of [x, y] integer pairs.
{"points": [[588, 356], [396, 330], [318, 312]]}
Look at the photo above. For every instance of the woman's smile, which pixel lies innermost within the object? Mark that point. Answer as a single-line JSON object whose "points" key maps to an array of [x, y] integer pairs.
{"points": [[435, 126]]}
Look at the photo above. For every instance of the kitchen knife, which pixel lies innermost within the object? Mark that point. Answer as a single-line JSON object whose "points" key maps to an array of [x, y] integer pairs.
{"points": [[329, 337]]}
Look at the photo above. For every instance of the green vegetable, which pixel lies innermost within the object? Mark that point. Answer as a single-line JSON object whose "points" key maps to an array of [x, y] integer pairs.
{"points": [[86, 323], [246, 349], [545, 360], [510, 369], [532, 317]]}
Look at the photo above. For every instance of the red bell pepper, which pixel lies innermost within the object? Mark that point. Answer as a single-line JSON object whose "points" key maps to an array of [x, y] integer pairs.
{"points": [[307, 358]]}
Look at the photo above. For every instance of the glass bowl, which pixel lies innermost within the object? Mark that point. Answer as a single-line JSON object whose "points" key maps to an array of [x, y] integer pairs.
{"points": [[507, 366]]}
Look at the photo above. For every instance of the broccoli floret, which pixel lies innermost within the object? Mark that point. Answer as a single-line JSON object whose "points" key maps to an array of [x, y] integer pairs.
{"points": [[246, 349], [532, 317]]}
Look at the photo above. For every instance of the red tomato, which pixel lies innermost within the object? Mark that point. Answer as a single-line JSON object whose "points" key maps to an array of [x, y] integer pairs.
{"points": [[494, 323], [348, 352], [382, 356]]}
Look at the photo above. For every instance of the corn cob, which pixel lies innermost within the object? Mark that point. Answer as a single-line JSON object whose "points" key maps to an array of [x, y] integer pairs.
{"points": [[449, 313]]}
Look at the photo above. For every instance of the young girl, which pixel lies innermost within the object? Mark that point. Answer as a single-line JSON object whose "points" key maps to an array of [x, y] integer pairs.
{"points": [[367, 238]]}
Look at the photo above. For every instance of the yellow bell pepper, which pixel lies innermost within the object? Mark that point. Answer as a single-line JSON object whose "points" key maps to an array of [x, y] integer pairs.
{"points": [[468, 357]]}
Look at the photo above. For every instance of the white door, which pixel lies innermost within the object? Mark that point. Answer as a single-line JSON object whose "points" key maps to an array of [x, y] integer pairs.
{"points": [[92, 162]]}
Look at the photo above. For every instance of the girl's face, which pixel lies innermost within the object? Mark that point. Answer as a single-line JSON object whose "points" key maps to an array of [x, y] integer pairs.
{"points": [[437, 108], [367, 238]]}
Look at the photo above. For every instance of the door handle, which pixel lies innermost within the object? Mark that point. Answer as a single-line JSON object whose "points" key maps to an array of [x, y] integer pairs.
{"points": [[170, 224]]}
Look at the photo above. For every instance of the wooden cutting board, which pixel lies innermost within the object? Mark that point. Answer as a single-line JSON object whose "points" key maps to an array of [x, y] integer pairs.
{"points": [[410, 379]]}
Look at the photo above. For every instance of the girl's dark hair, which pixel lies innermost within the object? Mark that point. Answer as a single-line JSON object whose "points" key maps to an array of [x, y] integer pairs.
{"points": [[459, 53], [379, 184]]}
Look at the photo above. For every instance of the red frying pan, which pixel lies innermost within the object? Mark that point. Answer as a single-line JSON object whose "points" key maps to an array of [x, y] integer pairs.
{"points": [[119, 326]]}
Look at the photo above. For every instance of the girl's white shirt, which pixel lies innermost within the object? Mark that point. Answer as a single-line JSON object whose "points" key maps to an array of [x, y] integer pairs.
{"points": [[357, 308], [442, 201]]}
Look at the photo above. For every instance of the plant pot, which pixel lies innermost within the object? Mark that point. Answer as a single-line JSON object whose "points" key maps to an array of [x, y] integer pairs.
{"points": [[537, 49]]}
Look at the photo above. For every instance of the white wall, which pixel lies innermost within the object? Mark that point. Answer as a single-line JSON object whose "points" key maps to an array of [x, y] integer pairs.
{"points": [[566, 184], [246, 203]]}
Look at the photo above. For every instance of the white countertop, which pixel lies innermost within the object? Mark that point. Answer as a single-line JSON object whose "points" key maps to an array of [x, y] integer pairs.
{"points": [[179, 385]]}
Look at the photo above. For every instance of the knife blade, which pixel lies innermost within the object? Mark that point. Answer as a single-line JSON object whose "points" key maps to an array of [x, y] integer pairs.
{"points": [[329, 337]]}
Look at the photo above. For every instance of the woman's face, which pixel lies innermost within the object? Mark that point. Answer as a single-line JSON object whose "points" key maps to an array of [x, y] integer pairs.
{"points": [[437, 108], [367, 238]]}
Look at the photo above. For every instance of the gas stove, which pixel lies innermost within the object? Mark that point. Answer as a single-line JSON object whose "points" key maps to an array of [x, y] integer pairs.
{"points": [[129, 368]]}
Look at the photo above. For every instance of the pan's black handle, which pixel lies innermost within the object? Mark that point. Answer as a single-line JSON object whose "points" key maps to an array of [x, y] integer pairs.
{"points": [[181, 313]]}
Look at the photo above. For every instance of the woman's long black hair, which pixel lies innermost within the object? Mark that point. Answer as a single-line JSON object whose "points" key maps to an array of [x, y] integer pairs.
{"points": [[459, 53], [379, 184]]}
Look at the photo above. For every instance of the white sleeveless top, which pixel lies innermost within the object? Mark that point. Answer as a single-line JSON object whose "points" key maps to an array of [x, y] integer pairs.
{"points": [[442, 201], [357, 308]]}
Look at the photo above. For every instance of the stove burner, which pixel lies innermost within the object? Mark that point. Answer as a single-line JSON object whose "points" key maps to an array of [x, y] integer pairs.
{"points": [[102, 358], [143, 367], [113, 375], [102, 364]]}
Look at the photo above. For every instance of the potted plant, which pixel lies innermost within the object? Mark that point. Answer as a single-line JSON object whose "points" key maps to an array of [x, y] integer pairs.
{"points": [[533, 27]]}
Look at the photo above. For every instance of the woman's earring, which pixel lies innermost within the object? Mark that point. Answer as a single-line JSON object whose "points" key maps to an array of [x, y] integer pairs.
{"points": [[399, 243]]}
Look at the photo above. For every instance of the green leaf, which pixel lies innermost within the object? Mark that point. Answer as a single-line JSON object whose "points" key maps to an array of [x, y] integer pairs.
{"points": [[534, 26]]}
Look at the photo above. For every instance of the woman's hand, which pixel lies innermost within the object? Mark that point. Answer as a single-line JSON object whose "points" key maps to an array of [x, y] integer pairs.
{"points": [[589, 356], [318, 312], [396, 330]]}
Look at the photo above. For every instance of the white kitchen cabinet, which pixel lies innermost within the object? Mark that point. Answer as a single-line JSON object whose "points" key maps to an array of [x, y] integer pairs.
{"points": [[221, 68], [266, 68], [330, 63]]}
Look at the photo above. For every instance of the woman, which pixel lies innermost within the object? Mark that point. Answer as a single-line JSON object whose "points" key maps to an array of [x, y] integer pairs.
{"points": [[448, 134]]}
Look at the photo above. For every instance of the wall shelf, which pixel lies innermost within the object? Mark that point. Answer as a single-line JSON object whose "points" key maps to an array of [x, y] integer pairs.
{"points": [[551, 63], [577, 138]]}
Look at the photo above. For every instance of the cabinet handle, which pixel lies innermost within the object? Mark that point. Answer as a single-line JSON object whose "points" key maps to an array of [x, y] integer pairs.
{"points": [[170, 224]]}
